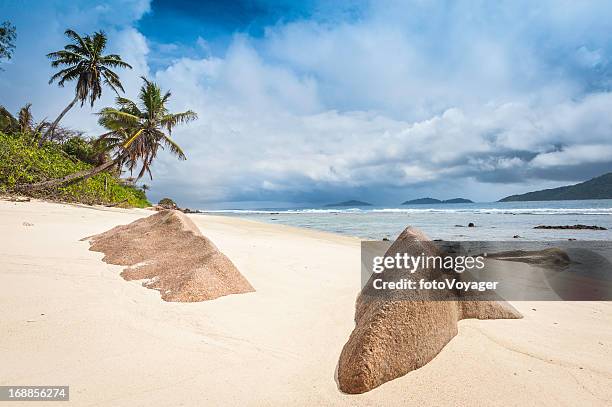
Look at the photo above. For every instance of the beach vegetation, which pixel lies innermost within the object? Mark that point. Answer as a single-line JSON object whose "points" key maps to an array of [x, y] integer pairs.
{"points": [[136, 132], [8, 123], [23, 162], [70, 166]]}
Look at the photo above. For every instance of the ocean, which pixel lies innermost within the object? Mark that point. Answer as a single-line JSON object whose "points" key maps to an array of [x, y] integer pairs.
{"points": [[493, 221]]}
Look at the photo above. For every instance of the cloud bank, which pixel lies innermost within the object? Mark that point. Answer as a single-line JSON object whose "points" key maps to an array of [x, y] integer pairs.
{"points": [[389, 103]]}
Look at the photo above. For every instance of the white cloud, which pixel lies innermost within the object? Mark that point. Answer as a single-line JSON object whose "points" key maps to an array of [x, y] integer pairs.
{"points": [[240, 149], [408, 94], [574, 155]]}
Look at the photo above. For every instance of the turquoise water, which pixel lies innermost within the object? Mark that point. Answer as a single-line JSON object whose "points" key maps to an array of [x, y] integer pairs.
{"points": [[494, 221]]}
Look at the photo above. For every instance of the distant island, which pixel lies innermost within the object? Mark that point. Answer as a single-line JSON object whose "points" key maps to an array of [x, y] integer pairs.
{"points": [[596, 188], [429, 201], [348, 203]]}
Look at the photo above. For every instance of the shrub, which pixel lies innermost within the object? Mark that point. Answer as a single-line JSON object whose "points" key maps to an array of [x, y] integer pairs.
{"points": [[7, 121], [82, 149], [22, 162], [167, 203]]}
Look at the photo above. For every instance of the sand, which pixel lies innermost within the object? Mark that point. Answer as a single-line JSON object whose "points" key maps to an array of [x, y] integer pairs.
{"points": [[66, 317]]}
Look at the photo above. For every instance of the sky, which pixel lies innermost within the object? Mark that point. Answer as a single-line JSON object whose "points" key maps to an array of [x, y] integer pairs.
{"points": [[306, 103]]}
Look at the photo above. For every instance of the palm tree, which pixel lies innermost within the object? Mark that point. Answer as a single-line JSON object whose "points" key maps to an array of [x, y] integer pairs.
{"points": [[136, 132], [83, 61], [25, 119]]}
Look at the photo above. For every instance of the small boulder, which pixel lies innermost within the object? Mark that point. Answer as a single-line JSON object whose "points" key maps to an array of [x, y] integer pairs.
{"points": [[167, 203]]}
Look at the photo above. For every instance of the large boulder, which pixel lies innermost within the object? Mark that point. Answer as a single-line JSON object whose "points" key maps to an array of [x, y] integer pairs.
{"points": [[394, 336], [168, 251]]}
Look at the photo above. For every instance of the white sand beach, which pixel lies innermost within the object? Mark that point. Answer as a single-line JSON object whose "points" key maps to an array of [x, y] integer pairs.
{"points": [[67, 318]]}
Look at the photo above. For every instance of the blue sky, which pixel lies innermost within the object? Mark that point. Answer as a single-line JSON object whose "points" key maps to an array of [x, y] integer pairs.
{"points": [[310, 102], [217, 20]]}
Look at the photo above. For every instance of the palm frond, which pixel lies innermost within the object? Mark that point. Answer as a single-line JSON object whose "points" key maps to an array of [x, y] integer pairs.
{"points": [[128, 106], [64, 57], [64, 75], [77, 38], [112, 81], [173, 147], [76, 49], [171, 120], [99, 42], [114, 119], [114, 61]]}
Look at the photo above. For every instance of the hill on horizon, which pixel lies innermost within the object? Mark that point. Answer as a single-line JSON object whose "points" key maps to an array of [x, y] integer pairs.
{"points": [[595, 188]]}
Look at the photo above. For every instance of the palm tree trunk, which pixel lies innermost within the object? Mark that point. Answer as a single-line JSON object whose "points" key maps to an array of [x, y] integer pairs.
{"points": [[51, 129], [85, 174]]}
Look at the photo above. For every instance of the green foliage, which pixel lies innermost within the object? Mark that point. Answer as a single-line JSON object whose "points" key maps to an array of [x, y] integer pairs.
{"points": [[167, 203], [22, 162], [8, 34], [8, 123], [82, 149]]}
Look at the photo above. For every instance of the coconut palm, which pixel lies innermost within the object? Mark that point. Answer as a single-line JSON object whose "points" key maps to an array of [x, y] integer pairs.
{"points": [[27, 125], [136, 132], [83, 60], [25, 119]]}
